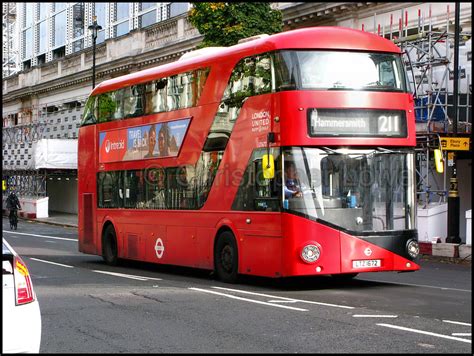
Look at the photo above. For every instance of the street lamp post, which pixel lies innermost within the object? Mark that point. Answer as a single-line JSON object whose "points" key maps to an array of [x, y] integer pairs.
{"points": [[95, 29]]}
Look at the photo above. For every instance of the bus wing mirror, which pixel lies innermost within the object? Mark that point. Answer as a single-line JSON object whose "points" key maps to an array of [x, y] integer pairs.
{"points": [[268, 164], [438, 158]]}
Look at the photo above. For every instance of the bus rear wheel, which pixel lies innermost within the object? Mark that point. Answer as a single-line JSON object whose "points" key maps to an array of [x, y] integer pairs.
{"points": [[226, 258], [109, 246]]}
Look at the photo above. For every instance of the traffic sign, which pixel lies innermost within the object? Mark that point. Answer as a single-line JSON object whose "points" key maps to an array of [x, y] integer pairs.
{"points": [[455, 143]]}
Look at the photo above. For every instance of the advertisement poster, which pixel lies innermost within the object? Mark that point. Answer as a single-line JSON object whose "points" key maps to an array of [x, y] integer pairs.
{"points": [[142, 142]]}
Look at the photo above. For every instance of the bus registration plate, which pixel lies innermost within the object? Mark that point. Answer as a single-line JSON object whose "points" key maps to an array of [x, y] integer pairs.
{"points": [[366, 263]]}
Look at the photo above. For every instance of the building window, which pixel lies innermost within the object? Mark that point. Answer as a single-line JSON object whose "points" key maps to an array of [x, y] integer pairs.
{"points": [[59, 52], [41, 59], [99, 11], [146, 5], [59, 6], [78, 45], [100, 36], [148, 19], [121, 10], [78, 20], [178, 8], [27, 64], [29, 9], [28, 41], [43, 10], [43, 37], [60, 29], [121, 29]]}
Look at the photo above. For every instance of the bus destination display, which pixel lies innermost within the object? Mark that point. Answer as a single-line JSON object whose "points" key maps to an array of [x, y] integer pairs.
{"points": [[356, 122]]}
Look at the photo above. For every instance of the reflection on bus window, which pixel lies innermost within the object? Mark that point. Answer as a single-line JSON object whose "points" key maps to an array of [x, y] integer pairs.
{"points": [[110, 190], [334, 70], [165, 94], [256, 193], [359, 190]]}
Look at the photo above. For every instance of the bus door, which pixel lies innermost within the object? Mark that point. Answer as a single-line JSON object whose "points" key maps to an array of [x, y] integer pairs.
{"points": [[258, 200]]}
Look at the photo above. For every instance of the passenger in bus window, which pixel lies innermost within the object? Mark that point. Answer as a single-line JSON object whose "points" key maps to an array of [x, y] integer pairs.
{"points": [[157, 181], [182, 187], [293, 187], [151, 141], [164, 141]]}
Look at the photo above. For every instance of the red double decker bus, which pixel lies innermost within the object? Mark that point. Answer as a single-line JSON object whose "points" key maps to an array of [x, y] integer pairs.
{"points": [[287, 155]]}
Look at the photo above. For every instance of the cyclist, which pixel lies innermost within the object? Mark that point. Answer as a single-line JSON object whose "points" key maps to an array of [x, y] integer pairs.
{"points": [[13, 204]]}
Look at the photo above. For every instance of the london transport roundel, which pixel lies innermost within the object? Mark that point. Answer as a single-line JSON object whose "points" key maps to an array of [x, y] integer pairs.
{"points": [[159, 248]]}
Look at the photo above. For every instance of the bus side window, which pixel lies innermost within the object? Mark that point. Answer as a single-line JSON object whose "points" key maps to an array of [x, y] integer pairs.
{"points": [[256, 193], [199, 80], [174, 94], [110, 189], [262, 75], [134, 105], [90, 112], [106, 107], [129, 101], [181, 181], [133, 189], [285, 71], [205, 172]]}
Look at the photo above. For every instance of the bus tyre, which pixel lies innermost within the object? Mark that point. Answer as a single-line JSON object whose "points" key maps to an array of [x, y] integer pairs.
{"points": [[226, 257], [109, 246]]}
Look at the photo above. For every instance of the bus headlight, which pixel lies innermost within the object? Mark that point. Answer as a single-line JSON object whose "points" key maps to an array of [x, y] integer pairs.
{"points": [[413, 248], [310, 253]]}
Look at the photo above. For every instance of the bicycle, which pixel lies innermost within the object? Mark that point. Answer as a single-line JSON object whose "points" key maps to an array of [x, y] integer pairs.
{"points": [[13, 219]]}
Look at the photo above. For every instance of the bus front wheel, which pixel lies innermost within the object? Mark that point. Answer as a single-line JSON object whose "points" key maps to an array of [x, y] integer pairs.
{"points": [[226, 257], [109, 246]]}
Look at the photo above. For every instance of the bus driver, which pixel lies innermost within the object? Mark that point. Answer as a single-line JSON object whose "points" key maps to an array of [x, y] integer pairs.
{"points": [[293, 188]]}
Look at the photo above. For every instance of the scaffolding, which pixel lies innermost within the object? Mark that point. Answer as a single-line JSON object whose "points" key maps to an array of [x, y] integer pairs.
{"points": [[428, 52], [22, 129], [9, 50]]}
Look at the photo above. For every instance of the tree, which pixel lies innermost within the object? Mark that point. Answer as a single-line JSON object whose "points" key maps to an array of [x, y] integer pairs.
{"points": [[225, 23]]}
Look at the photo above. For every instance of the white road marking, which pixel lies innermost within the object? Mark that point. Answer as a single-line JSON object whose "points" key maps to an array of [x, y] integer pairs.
{"points": [[425, 333], [282, 301], [461, 334], [46, 236], [417, 285], [131, 276], [374, 316], [246, 299], [283, 298], [456, 322], [53, 263]]}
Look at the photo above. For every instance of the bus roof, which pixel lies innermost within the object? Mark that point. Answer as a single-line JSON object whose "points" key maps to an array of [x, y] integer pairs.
{"points": [[324, 37]]}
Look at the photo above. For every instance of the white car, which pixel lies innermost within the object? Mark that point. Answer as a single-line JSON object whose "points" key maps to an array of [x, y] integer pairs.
{"points": [[21, 311]]}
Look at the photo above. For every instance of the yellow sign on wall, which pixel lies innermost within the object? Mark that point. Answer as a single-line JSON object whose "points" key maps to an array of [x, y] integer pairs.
{"points": [[455, 143], [4, 184]]}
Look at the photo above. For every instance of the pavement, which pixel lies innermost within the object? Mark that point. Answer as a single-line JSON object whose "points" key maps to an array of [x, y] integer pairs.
{"points": [[59, 218], [444, 252]]}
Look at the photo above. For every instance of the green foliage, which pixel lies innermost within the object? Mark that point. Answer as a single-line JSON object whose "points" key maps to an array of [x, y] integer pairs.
{"points": [[107, 107], [225, 23]]}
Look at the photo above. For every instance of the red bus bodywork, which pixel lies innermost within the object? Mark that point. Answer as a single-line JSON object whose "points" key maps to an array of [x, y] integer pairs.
{"points": [[269, 243]]}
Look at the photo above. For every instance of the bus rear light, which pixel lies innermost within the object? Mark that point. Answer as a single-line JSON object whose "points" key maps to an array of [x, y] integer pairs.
{"points": [[310, 253], [23, 287]]}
